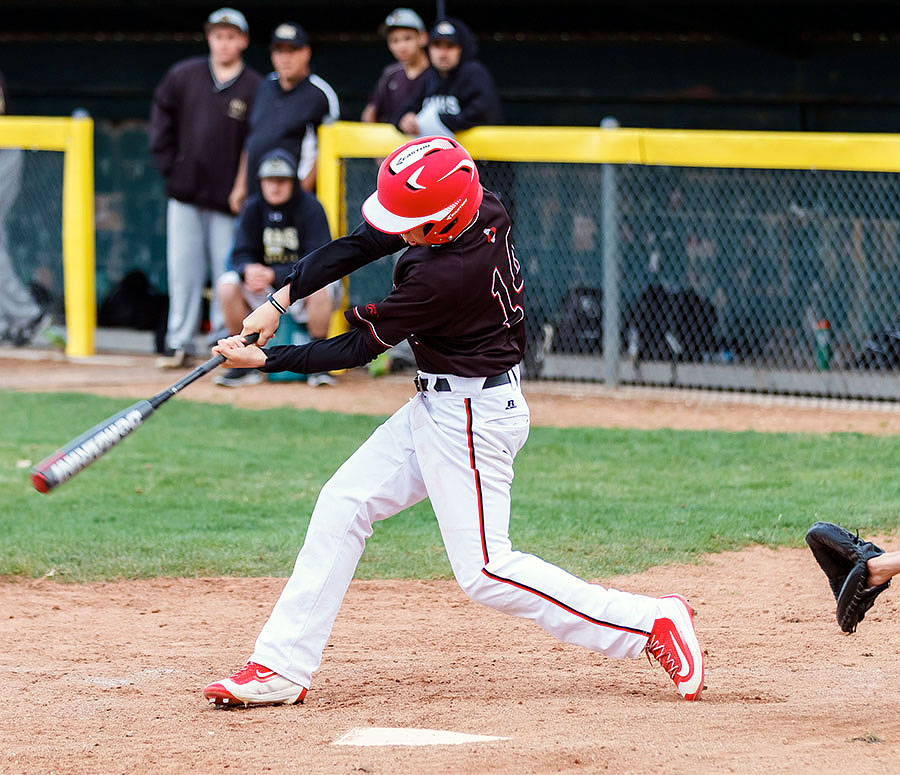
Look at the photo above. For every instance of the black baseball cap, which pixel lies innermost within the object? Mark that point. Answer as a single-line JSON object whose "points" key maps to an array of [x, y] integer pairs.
{"points": [[278, 163], [291, 34], [445, 30]]}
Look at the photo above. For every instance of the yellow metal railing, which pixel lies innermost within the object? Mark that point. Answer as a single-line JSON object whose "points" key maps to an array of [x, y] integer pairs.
{"points": [[75, 138], [596, 145], [679, 148]]}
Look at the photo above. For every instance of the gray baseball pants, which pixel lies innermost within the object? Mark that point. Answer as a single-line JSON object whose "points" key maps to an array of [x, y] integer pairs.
{"points": [[17, 307], [199, 242]]}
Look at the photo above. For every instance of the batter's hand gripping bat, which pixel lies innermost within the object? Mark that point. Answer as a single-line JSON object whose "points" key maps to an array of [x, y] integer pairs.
{"points": [[79, 453]]}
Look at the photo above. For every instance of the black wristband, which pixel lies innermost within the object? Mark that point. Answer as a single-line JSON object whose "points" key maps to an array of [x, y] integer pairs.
{"points": [[274, 302]]}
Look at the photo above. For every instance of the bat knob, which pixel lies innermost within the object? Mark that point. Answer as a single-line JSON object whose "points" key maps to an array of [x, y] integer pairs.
{"points": [[40, 481]]}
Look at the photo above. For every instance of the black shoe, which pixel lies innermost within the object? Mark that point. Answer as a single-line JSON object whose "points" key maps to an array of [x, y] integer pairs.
{"points": [[29, 332]]}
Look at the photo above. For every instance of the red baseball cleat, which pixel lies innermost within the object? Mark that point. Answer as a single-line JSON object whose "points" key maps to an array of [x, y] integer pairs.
{"points": [[673, 643], [254, 684]]}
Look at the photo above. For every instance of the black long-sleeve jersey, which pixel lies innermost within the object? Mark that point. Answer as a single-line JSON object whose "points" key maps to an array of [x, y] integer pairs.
{"points": [[460, 305]]}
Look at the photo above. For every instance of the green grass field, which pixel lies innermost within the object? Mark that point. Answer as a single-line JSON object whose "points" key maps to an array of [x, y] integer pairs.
{"points": [[204, 490]]}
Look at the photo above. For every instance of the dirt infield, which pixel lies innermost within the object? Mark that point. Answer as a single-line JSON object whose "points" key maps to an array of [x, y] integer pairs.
{"points": [[106, 678]]}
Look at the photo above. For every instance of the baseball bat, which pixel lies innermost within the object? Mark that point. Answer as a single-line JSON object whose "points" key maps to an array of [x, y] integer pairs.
{"points": [[79, 453]]}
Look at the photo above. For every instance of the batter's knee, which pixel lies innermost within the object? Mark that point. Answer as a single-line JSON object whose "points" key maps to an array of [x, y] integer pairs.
{"points": [[333, 498], [480, 586], [335, 514], [339, 509]]}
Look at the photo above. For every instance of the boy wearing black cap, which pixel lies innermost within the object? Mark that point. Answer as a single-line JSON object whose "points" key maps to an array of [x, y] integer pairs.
{"points": [[275, 229], [198, 125], [290, 104], [458, 92], [406, 40]]}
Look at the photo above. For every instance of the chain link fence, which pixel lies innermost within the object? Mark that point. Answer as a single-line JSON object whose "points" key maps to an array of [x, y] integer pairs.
{"points": [[47, 232], [31, 242], [778, 281]]}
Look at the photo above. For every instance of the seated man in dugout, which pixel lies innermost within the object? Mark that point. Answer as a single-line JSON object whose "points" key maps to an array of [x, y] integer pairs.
{"points": [[275, 229]]}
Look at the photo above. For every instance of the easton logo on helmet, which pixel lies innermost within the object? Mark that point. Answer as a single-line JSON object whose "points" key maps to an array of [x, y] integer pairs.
{"points": [[454, 209], [416, 152]]}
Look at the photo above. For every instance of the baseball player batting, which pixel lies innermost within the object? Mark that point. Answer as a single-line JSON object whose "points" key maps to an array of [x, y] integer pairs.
{"points": [[458, 297]]}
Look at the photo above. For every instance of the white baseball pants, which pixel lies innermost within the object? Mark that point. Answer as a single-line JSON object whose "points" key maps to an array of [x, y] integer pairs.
{"points": [[457, 449]]}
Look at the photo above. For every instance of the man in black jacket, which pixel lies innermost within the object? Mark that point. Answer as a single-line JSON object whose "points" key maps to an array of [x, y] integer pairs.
{"points": [[291, 103], [458, 92], [198, 125]]}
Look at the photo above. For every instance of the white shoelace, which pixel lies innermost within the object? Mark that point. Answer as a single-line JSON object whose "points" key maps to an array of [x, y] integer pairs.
{"points": [[658, 650]]}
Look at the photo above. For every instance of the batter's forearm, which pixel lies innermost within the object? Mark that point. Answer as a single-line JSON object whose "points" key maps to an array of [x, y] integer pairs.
{"points": [[346, 351], [282, 272]]}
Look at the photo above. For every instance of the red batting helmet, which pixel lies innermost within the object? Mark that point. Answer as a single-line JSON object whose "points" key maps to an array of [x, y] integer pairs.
{"points": [[430, 182]]}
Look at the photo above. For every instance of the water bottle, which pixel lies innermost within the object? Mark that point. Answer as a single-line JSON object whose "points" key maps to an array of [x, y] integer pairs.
{"points": [[633, 343], [823, 345]]}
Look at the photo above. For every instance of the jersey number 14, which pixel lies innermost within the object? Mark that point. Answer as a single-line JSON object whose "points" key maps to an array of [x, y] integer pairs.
{"points": [[505, 295]]}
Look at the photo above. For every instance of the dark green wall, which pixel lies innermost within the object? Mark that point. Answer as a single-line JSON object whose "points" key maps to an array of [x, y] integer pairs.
{"points": [[793, 65], [701, 82]]}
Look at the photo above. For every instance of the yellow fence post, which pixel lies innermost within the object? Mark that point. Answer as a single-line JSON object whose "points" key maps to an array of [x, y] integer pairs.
{"points": [[328, 178], [78, 238], [328, 192]]}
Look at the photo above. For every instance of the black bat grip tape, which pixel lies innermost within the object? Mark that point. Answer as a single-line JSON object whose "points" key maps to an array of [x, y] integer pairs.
{"points": [[205, 368], [219, 359]]}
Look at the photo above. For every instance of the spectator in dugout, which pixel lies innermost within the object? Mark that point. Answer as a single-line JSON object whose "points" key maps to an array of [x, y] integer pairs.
{"points": [[457, 92], [289, 106], [406, 39], [275, 229]]}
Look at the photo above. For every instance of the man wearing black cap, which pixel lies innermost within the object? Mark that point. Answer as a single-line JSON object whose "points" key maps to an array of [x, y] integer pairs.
{"points": [[198, 126], [290, 105], [458, 91]]}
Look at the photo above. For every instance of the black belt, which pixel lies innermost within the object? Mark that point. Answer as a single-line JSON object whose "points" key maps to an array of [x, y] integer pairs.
{"points": [[441, 385]]}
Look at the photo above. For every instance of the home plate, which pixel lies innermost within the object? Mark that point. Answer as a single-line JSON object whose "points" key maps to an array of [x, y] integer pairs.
{"points": [[409, 736]]}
